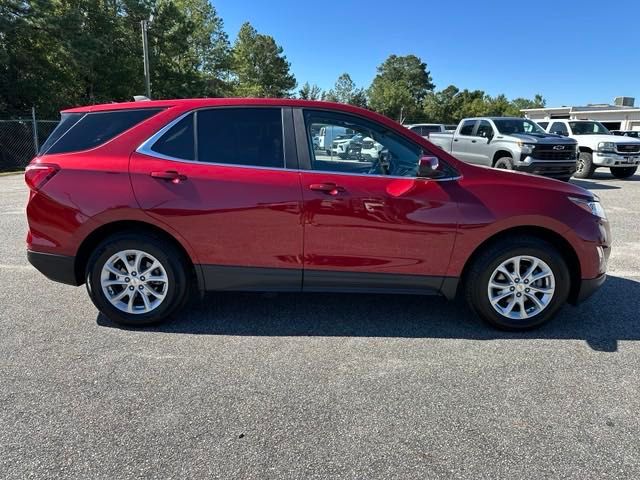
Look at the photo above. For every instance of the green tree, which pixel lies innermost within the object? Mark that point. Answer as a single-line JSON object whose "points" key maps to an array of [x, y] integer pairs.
{"points": [[310, 92], [345, 91], [259, 66], [400, 86], [190, 52]]}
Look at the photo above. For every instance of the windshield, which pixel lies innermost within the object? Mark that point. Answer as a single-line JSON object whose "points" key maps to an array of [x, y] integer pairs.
{"points": [[508, 126], [588, 128]]}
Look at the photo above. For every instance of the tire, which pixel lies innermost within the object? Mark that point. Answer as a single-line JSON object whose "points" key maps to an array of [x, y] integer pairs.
{"points": [[584, 166], [164, 297], [504, 163], [484, 269], [623, 172]]}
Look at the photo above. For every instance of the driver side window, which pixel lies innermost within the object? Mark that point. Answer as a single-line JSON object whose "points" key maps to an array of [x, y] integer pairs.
{"points": [[346, 144]]}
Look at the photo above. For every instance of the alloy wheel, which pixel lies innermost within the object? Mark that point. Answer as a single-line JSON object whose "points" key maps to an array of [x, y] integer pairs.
{"points": [[521, 287], [134, 281]]}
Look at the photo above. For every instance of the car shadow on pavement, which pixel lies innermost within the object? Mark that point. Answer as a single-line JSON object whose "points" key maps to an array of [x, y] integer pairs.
{"points": [[591, 185], [612, 314]]}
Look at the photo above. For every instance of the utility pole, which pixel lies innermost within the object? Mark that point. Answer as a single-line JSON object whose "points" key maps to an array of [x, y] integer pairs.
{"points": [[144, 24], [34, 128]]}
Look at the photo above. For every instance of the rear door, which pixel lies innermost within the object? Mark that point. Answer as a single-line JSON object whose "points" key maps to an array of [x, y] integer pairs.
{"points": [[463, 140], [370, 224], [225, 179]]}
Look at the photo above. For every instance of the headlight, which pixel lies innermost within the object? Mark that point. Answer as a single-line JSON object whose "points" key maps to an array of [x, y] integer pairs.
{"points": [[526, 147], [593, 206], [606, 146]]}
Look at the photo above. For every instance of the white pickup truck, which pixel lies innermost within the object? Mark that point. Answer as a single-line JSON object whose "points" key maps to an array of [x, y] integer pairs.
{"points": [[598, 147], [510, 143]]}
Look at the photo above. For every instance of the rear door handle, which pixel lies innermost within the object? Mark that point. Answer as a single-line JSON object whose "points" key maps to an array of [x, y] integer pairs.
{"points": [[169, 175], [330, 188], [473, 141]]}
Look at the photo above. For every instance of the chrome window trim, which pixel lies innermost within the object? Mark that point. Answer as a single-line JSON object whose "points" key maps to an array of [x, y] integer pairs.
{"points": [[145, 149]]}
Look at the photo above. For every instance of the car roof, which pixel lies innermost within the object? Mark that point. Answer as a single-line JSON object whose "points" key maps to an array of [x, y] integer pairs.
{"points": [[188, 103]]}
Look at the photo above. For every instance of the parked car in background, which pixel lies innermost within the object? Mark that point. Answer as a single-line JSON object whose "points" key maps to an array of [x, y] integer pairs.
{"points": [[627, 133], [146, 202], [599, 147], [510, 144], [327, 135], [426, 129]]}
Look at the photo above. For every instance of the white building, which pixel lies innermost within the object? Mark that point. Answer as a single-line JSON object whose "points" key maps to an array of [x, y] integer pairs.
{"points": [[621, 116]]}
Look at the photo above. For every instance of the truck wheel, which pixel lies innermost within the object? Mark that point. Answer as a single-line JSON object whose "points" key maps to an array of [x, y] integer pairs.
{"points": [[623, 172], [505, 163], [584, 167], [517, 283]]}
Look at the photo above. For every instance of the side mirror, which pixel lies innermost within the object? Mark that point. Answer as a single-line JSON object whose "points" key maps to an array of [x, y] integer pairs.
{"points": [[428, 167]]}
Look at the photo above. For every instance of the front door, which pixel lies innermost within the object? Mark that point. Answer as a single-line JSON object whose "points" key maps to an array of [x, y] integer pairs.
{"points": [[369, 223], [228, 194]]}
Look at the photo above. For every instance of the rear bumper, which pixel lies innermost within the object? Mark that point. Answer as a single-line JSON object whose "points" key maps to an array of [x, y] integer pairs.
{"points": [[548, 168], [59, 268], [588, 287]]}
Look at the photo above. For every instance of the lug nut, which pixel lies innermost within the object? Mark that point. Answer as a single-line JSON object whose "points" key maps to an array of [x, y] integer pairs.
{"points": [[133, 273], [142, 278], [140, 287], [512, 288], [127, 279], [527, 290], [526, 281], [517, 280], [131, 287], [518, 294]]}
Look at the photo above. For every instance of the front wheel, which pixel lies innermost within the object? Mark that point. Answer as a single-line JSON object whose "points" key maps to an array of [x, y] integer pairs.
{"points": [[518, 283], [623, 172], [136, 278], [504, 163], [584, 166]]}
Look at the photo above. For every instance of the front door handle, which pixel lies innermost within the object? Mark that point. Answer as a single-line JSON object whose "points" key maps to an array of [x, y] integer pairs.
{"points": [[329, 188], [473, 141], [169, 175]]}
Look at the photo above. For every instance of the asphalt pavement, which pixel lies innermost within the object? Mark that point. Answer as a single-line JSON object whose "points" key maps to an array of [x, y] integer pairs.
{"points": [[257, 386]]}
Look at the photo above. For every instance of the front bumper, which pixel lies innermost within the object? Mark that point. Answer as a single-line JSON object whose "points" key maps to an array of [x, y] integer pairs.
{"points": [[607, 159], [547, 168], [588, 287], [59, 268]]}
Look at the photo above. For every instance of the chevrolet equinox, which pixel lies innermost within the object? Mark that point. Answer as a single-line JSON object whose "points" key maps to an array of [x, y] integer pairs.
{"points": [[147, 201]]}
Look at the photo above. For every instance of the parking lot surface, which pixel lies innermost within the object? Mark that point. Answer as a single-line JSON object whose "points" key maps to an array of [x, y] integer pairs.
{"points": [[318, 386]]}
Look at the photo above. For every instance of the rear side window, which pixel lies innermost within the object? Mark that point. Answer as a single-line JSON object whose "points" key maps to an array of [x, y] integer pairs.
{"points": [[93, 129], [543, 124], [178, 141], [467, 127], [67, 120], [240, 136]]}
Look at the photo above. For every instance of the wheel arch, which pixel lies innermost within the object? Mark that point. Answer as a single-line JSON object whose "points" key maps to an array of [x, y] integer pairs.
{"points": [[585, 149], [562, 244], [500, 154], [94, 238]]}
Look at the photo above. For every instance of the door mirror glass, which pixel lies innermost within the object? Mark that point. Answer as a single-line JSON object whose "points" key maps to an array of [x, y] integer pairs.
{"points": [[428, 167]]}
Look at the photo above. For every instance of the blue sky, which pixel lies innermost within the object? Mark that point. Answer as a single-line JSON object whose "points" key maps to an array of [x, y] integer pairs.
{"points": [[571, 51]]}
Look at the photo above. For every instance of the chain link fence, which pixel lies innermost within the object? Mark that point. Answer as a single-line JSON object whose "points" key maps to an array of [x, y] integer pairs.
{"points": [[20, 140]]}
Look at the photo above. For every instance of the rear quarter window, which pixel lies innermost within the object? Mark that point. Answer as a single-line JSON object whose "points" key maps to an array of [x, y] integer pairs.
{"points": [[78, 131]]}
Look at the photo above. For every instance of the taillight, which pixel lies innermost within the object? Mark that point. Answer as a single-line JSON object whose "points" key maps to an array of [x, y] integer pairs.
{"points": [[37, 174]]}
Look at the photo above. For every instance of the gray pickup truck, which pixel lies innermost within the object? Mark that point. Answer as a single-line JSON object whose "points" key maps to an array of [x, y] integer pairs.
{"points": [[512, 144]]}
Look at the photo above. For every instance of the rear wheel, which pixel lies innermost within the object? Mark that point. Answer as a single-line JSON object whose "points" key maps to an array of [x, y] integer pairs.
{"points": [[584, 166], [504, 163], [137, 278], [623, 172], [518, 284]]}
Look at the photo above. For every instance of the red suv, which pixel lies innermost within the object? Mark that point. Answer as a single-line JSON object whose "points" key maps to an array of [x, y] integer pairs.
{"points": [[147, 201]]}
